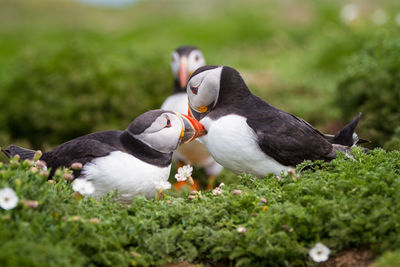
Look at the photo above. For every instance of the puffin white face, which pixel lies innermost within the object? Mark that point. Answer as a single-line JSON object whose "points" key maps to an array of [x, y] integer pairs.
{"points": [[203, 90], [183, 66], [169, 130]]}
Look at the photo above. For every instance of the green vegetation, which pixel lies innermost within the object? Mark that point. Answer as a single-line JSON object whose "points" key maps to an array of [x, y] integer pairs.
{"points": [[343, 204], [372, 85]]}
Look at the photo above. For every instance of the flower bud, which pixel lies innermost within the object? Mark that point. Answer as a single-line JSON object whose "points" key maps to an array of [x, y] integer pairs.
{"points": [[28, 163], [32, 204], [237, 192], [40, 164], [191, 197], [37, 155], [76, 166], [44, 174], [94, 220], [68, 176]]}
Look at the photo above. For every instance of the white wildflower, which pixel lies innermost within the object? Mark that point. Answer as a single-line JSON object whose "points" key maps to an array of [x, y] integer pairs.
{"points": [[162, 185], [217, 191], [8, 198], [241, 229], [83, 187], [379, 17], [184, 173], [349, 13], [319, 252], [221, 185]]}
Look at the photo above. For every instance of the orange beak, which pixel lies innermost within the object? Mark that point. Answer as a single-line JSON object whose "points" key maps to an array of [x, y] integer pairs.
{"points": [[183, 74], [192, 129]]}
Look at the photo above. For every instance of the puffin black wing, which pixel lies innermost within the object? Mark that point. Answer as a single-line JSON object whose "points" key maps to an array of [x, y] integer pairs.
{"points": [[286, 138], [83, 149]]}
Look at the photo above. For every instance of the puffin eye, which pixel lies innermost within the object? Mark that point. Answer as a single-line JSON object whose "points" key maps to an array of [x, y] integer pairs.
{"points": [[196, 58], [168, 123], [194, 89]]}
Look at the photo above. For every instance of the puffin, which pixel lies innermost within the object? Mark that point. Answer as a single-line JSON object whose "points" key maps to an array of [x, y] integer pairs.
{"points": [[247, 135], [184, 61], [136, 161]]}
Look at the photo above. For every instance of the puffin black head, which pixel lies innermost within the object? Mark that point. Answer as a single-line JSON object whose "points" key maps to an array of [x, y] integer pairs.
{"points": [[212, 85], [165, 130], [184, 61]]}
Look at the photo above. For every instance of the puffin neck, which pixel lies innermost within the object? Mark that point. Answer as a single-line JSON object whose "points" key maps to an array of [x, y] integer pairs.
{"points": [[233, 90], [145, 153], [177, 88]]}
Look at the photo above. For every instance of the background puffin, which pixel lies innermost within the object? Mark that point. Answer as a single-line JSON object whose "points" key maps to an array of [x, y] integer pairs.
{"points": [[136, 161], [245, 134], [184, 61]]}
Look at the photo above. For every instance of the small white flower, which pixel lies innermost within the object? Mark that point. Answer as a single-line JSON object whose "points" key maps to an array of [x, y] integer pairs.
{"points": [[83, 187], [217, 191], [162, 185], [184, 173], [221, 185], [319, 252], [8, 198], [349, 13], [379, 17], [241, 229]]}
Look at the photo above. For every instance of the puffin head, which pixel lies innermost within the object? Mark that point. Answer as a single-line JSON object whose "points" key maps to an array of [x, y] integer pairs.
{"points": [[165, 130], [184, 61], [213, 86]]}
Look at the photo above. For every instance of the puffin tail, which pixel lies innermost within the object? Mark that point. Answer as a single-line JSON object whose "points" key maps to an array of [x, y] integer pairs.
{"points": [[347, 136], [13, 150]]}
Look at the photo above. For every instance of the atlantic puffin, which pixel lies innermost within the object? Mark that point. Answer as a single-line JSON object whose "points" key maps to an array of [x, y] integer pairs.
{"points": [[136, 161], [184, 61], [247, 135]]}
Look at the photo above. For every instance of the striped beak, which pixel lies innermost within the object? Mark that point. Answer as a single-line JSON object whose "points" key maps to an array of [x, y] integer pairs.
{"points": [[191, 128]]}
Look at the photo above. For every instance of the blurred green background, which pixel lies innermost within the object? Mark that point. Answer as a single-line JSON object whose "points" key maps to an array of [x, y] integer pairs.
{"points": [[68, 68]]}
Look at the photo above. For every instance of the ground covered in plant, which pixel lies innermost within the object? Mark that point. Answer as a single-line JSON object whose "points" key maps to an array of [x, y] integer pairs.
{"points": [[345, 204]]}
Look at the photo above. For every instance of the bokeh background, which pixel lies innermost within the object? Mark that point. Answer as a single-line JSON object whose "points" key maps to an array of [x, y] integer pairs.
{"points": [[68, 68]]}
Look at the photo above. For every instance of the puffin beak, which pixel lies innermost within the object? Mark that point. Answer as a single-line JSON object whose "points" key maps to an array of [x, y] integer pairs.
{"points": [[191, 129], [182, 73]]}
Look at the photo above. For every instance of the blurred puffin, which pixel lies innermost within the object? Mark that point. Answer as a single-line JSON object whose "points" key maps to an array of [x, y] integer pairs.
{"points": [[136, 161], [184, 61], [245, 134]]}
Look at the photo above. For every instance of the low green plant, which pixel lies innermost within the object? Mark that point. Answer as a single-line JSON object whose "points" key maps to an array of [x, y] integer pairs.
{"points": [[347, 203]]}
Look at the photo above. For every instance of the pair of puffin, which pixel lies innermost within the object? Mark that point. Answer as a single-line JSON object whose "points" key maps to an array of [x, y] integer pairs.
{"points": [[136, 161], [184, 61], [244, 134]]}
